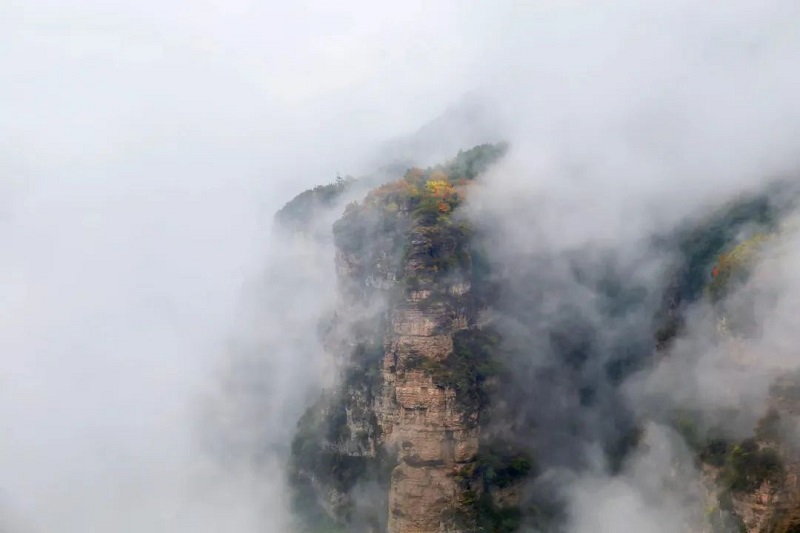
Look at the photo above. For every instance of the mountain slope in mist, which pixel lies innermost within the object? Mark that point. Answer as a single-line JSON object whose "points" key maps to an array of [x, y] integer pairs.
{"points": [[483, 387]]}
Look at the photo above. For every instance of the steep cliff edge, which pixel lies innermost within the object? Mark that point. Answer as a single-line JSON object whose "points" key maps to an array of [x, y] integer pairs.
{"points": [[395, 447], [428, 430]]}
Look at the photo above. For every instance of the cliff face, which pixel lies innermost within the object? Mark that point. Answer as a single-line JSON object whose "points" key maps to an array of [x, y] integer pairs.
{"points": [[773, 503], [403, 425], [754, 485], [428, 431], [434, 432]]}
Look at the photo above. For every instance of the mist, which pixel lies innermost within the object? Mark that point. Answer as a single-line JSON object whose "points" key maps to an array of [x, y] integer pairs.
{"points": [[630, 123], [158, 337], [146, 147]]}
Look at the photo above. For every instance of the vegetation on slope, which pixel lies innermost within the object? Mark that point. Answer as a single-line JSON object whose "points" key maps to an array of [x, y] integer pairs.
{"points": [[700, 247], [498, 466], [741, 467], [299, 213], [702, 244], [467, 369], [733, 267], [414, 214], [427, 196]]}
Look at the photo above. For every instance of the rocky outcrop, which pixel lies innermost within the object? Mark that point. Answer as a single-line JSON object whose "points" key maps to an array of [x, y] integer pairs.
{"points": [[774, 506], [433, 432], [753, 486], [404, 420]]}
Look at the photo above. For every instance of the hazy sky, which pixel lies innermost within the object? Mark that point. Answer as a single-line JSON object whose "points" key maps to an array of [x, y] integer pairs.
{"points": [[145, 147]]}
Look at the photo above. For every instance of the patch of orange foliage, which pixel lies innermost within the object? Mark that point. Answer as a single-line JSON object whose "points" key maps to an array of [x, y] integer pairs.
{"points": [[393, 188]]}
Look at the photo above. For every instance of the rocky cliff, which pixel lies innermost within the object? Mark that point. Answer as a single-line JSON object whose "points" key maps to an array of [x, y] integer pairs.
{"points": [[403, 425], [752, 484]]}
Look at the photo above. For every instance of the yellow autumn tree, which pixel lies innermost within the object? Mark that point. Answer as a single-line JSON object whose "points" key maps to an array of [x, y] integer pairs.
{"points": [[439, 188]]}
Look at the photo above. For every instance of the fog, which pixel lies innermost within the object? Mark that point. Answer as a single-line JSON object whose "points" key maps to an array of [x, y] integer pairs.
{"points": [[146, 146], [158, 339], [652, 119]]}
